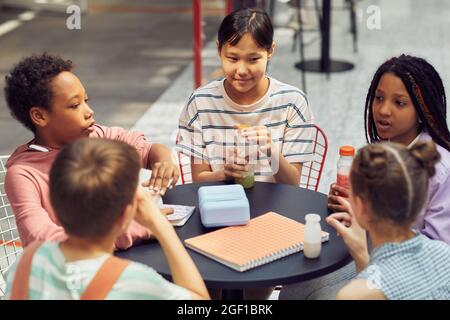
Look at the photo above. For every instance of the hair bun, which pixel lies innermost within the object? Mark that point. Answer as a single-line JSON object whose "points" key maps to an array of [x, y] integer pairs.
{"points": [[427, 155], [373, 164]]}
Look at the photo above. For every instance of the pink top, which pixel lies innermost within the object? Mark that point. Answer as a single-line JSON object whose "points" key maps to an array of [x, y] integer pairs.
{"points": [[27, 188]]}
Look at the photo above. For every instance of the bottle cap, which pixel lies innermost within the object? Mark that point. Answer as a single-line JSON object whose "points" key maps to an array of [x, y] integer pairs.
{"points": [[346, 151], [313, 217], [242, 126]]}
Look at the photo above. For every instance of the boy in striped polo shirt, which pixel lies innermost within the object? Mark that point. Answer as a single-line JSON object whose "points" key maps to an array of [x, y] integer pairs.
{"points": [[94, 190]]}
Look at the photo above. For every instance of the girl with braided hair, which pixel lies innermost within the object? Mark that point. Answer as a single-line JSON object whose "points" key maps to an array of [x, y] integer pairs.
{"points": [[406, 103], [388, 189]]}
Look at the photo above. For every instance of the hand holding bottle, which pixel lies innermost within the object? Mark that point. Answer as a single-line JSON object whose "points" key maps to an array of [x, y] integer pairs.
{"points": [[336, 192], [342, 185]]}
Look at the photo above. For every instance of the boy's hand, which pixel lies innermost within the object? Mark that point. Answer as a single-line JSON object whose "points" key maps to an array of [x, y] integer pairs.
{"points": [[167, 211], [165, 175], [148, 214], [334, 203]]}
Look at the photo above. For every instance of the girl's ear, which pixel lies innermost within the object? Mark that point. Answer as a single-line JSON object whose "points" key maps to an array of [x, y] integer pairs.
{"points": [[271, 51], [39, 116], [359, 203], [361, 210]]}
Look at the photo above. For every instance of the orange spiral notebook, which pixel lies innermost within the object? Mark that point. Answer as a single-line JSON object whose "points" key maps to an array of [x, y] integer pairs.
{"points": [[266, 238]]}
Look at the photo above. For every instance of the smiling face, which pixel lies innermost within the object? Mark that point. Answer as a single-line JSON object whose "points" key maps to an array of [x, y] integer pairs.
{"points": [[393, 111], [70, 116], [244, 66]]}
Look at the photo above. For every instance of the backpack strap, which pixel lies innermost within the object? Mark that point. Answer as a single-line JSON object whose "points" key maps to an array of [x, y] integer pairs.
{"points": [[21, 280], [104, 279]]}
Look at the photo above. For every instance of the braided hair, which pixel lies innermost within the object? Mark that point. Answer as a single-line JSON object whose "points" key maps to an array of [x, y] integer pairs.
{"points": [[426, 89]]}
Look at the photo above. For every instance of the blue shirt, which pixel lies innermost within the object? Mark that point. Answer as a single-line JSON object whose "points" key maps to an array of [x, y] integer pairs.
{"points": [[418, 268]]}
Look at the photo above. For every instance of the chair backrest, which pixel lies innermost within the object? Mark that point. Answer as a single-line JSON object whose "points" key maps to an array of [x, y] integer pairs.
{"points": [[311, 171], [10, 245], [184, 163]]}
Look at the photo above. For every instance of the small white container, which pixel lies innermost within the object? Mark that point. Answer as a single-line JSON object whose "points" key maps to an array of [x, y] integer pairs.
{"points": [[312, 243]]}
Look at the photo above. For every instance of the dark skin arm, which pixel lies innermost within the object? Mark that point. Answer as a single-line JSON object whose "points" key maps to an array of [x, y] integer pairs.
{"points": [[165, 173]]}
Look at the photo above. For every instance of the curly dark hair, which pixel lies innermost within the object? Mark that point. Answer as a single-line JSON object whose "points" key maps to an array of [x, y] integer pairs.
{"points": [[28, 85]]}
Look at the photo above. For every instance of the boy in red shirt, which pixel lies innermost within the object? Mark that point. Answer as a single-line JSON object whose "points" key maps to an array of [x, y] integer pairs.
{"points": [[46, 97]]}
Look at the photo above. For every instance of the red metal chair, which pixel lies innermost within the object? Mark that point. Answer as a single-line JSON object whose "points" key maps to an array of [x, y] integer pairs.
{"points": [[10, 244], [311, 171], [184, 163], [185, 168]]}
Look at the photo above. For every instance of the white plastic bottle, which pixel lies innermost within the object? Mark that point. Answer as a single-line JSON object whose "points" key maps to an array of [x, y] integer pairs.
{"points": [[312, 243]]}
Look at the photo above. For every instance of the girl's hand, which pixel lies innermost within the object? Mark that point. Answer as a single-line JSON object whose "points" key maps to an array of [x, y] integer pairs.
{"points": [[165, 175], [354, 236], [232, 171], [237, 164], [260, 135], [335, 196], [344, 217]]}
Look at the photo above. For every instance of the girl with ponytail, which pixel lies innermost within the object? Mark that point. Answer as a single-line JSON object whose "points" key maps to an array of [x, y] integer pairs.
{"points": [[388, 190]]}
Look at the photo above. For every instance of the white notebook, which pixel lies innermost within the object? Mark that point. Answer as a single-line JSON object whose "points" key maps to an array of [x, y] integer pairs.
{"points": [[180, 214]]}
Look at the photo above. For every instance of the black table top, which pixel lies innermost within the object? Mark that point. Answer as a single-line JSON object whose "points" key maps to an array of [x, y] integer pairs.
{"points": [[290, 201]]}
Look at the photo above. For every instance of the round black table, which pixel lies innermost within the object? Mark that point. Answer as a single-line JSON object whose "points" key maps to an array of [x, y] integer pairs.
{"points": [[290, 201]]}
